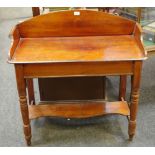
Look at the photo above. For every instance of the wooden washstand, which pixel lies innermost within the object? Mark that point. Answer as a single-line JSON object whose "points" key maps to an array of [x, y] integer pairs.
{"points": [[77, 43]]}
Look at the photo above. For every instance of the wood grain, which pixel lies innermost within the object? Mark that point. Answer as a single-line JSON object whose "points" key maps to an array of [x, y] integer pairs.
{"points": [[76, 49], [21, 86], [81, 109], [72, 69], [15, 38], [139, 39], [70, 88], [136, 78], [62, 44], [65, 23]]}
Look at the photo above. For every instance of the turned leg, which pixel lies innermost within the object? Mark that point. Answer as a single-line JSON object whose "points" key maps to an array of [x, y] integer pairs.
{"points": [[122, 87], [135, 84], [21, 85], [30, 89]]}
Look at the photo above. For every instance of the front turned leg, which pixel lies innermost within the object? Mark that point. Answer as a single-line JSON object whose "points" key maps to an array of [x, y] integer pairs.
{"points": [[135, 84], [25, 117], [21, 85], [133, 113]]}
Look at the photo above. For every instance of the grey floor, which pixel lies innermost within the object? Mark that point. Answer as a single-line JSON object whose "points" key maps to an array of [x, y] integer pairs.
{"points": [[102, 131]]}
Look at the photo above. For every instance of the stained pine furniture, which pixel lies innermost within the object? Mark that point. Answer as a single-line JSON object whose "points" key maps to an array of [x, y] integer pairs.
{"points": [[75, 44]]}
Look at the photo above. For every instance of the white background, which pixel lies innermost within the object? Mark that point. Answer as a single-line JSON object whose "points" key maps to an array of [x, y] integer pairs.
{"points": [[78, 3]]}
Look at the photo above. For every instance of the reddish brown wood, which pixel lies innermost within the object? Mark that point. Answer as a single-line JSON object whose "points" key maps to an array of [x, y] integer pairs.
{"points": [[21, 85], [81, 109], [137, 35], [35, 11], [72, 69], [77, 49], [123, 79], [30, 88], [15, 38], [62, 85], [71, 88], [91, 44], [134, 98], [67, 24], [122, 87], [15, 41]]}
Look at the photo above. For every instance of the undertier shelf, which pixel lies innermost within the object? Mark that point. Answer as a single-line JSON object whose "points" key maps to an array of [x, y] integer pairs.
{"points": [[80, 109]]}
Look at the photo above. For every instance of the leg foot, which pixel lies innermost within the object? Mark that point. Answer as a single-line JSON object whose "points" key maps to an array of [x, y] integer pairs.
{"points": [[27, 133], [132, 128], [28, 141], [131, 137]]}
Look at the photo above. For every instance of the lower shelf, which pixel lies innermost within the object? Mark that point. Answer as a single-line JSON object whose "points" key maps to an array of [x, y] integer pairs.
{"points": [[82, 109]]}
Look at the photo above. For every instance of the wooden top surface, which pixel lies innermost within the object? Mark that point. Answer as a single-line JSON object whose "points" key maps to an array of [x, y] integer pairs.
{"points": [[77, 49]]}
